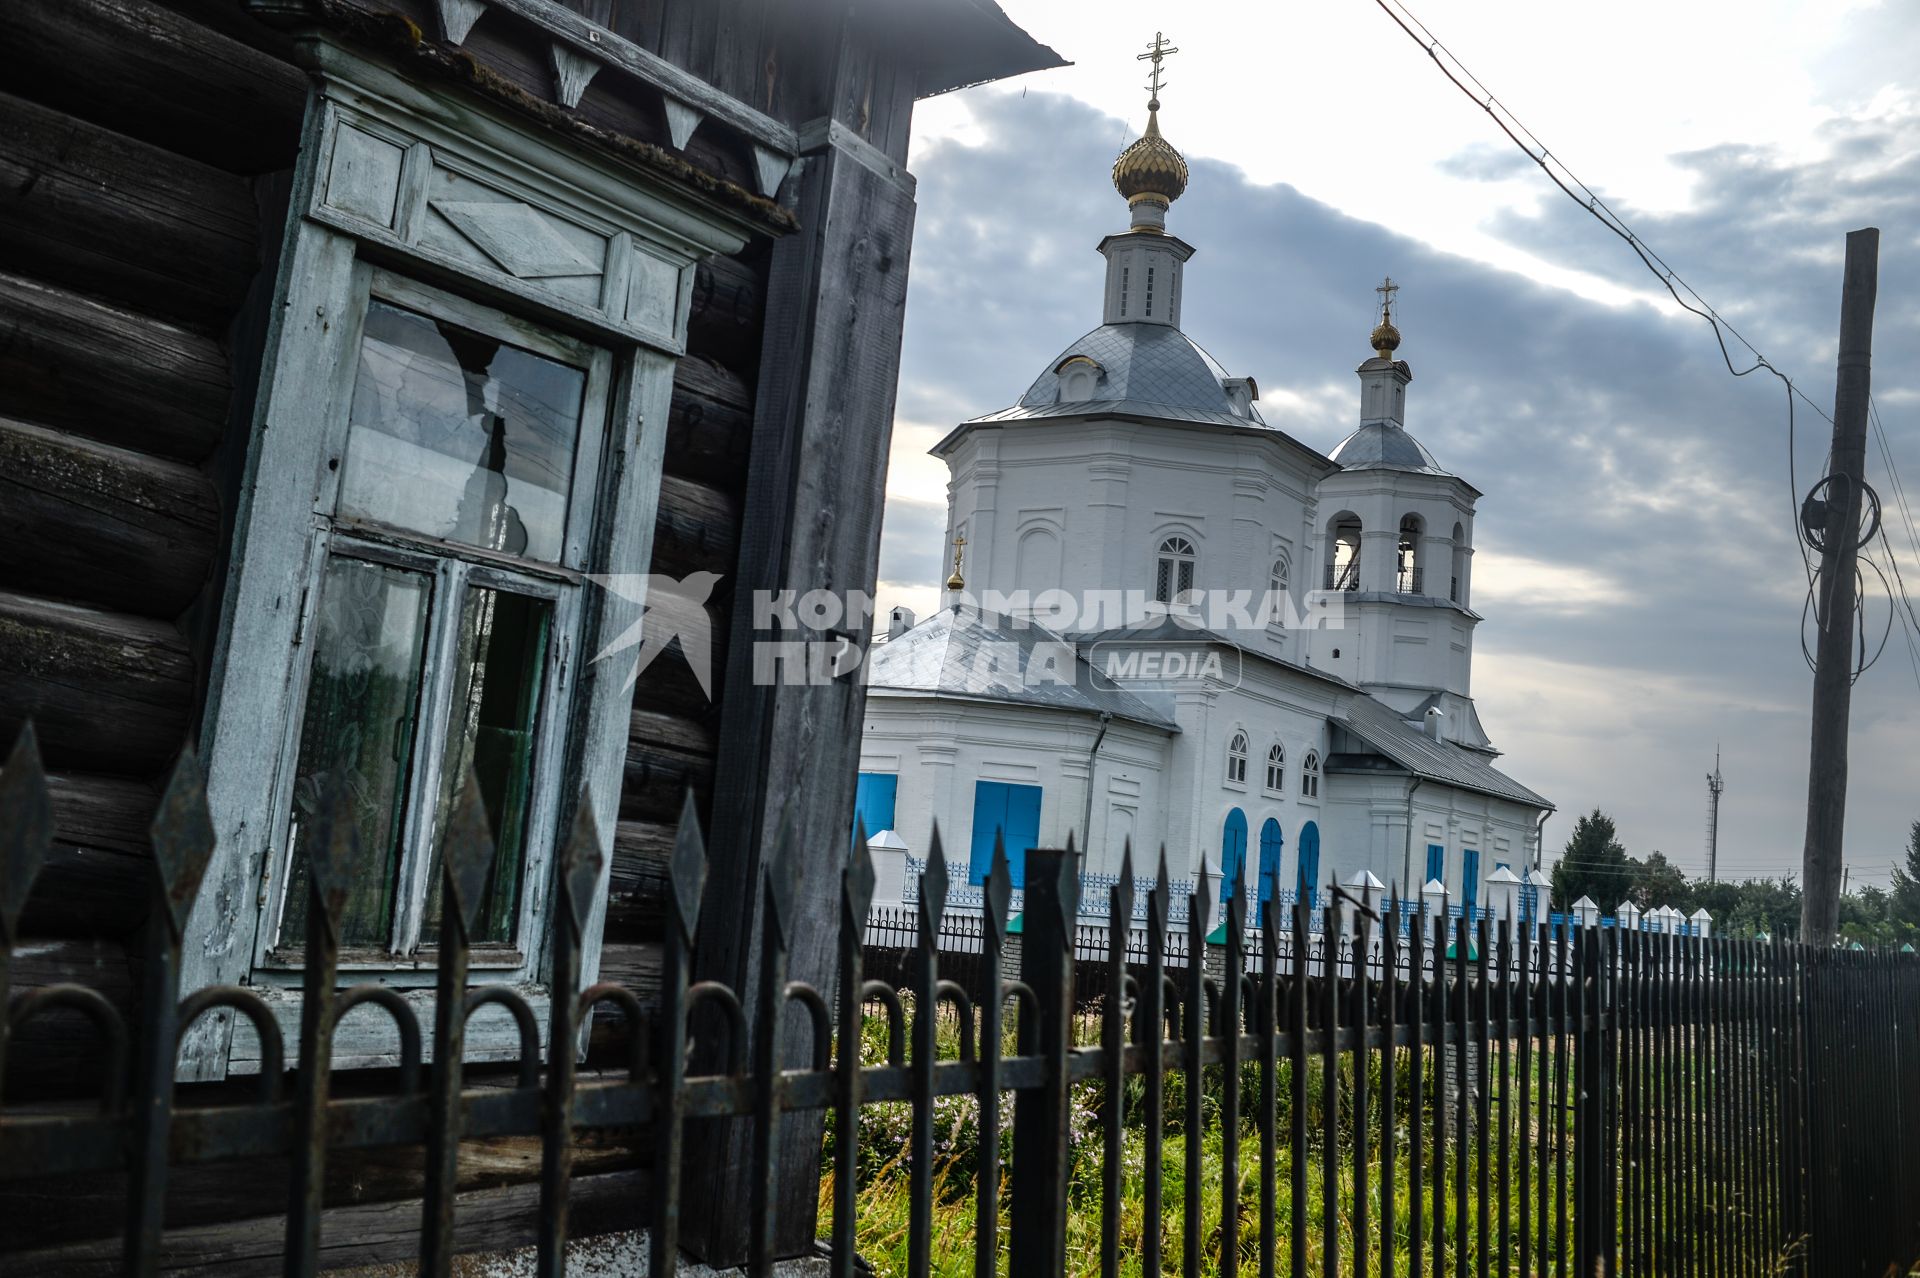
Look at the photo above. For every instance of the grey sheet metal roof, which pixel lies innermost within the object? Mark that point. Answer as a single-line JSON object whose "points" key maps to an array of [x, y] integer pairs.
{"points": [[1381, 727], [1154, 370], [1385, 446], [947, 655], [1167, 630]]}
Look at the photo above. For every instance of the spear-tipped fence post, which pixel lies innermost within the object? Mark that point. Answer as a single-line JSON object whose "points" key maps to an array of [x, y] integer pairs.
{"points": [[182, 839], [926, 1011], [26, 832], [333, 862], [993, 994], [465, 860], [1193, 1034], [1038, 1245], [576, 880], [856, 896], [1113, 1038], [688, 873], [769, 1091]]}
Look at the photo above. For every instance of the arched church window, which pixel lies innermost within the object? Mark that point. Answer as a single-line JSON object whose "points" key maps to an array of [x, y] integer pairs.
{"points": [[1149, 292], [1277, 594], [1310, 775], [1343, 552], [1237, 759], [1410, 556], [1276, 768], [1457, 591], [1173, 575]]}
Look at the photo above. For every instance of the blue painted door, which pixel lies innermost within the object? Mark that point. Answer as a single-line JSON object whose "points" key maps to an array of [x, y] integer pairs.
{"points": [[1436, 864], [1470, 879], [1233, 850], [1270, 850], [1012, 811], [873, 803], [1309, 860]]}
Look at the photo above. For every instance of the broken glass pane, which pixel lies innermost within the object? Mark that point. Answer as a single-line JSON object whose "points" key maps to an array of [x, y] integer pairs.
{"points": [[369, 637], [460, 436], [496, 698]]}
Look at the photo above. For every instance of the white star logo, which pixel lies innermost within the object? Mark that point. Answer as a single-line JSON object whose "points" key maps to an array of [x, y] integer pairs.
{"points": [[670, 608]]}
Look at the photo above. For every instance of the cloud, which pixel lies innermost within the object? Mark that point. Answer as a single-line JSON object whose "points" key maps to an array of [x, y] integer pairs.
{"points": [[1636, 544]]}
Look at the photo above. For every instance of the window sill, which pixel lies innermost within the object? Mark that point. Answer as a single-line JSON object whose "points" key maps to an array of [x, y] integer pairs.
{"points": [[366, 1038], [375, 960]]}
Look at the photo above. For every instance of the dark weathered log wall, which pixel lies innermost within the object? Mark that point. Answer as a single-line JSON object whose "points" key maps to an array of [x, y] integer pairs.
{"points": [[139, 140]]}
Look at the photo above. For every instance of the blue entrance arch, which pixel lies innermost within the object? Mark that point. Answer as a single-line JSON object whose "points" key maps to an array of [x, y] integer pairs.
{"points": [[1233, 850], [1309, 860], [1271, 846]]}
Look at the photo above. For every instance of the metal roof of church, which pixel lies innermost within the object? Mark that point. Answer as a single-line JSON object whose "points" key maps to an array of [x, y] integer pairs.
{"points": [[947, 655], [1385, 446], [1381, 727], [1153, 370]]}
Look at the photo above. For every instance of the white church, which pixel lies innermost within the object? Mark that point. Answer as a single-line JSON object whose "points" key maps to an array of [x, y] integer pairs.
{"points": [[1333, 738]]}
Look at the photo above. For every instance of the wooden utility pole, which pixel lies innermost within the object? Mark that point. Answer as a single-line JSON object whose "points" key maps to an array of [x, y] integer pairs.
{"points": [[1835, 595]]}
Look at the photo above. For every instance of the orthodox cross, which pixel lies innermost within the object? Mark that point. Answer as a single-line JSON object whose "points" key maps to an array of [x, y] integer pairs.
{"points": [[1157, 50], [1386, 291], [956, 581]]}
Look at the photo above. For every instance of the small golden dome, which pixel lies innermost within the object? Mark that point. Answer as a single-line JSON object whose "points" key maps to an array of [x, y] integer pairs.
{"points": [[1150, 169], [1385, 339]]}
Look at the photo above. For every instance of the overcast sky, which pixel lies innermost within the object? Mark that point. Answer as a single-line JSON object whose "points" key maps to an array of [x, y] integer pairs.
{"points": [[1635, 560]]}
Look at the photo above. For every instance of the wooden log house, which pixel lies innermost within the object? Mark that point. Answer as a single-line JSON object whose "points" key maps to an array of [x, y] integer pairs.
{"points": [[344, 345]]}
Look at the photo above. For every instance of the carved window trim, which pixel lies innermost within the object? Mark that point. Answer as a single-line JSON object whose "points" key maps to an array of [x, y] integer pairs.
{"points": [[606, 270]]}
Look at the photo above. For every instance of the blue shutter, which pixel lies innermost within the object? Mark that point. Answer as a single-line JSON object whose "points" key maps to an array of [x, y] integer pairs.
{"points": [[1309, 860], [1233, 850], [1436, 863], [1270, 851], [1023, 828], [873, 802], [1013, 811], [1470, 879]]}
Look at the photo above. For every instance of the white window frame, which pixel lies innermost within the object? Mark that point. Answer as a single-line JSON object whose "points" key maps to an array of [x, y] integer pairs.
{"points": [[377, 153], [452, 569], [1277, 769], [1277, 580], [1310, 775], [1237, 750], [1178, 560]]}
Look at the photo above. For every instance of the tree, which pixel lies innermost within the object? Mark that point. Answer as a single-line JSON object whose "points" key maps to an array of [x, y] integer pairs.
{"points": [[1904, 905], [1593, 864], [1657, 882]]}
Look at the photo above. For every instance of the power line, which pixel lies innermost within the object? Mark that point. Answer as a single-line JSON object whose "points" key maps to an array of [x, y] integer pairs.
{"points": [[1562, 175]]}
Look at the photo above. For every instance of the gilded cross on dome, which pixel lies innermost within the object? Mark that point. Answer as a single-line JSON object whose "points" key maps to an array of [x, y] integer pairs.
{"points": [[1157, 51], [1385, 338]]}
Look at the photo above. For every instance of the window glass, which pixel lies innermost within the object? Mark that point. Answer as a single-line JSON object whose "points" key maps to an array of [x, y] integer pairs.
{"points": [[499, 665], [460, 436], [362, 699]]}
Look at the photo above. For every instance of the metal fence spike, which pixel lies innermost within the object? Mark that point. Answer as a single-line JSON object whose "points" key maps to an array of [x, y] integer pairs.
{"points": [[581, 861], [26, 827], [468, 850], [858, 886], [933, 886], [1122, 909], [999, 887], [1160, 883], [688, 868], [333, 853], [1068, 892]]}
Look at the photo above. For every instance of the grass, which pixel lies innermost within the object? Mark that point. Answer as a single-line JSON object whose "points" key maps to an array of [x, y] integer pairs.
{"points": [[884, 1175]]}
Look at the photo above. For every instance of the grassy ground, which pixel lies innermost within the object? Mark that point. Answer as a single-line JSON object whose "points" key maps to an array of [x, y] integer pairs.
{"points": [[884, 1178]]}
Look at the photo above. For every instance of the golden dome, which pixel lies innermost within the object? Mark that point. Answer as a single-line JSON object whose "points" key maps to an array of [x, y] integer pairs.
{"points": [[1385, 339], [1150, 169]]}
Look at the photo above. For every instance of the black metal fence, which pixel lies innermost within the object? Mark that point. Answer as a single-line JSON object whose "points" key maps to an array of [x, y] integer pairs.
{"points": [[1495, 1102]]}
